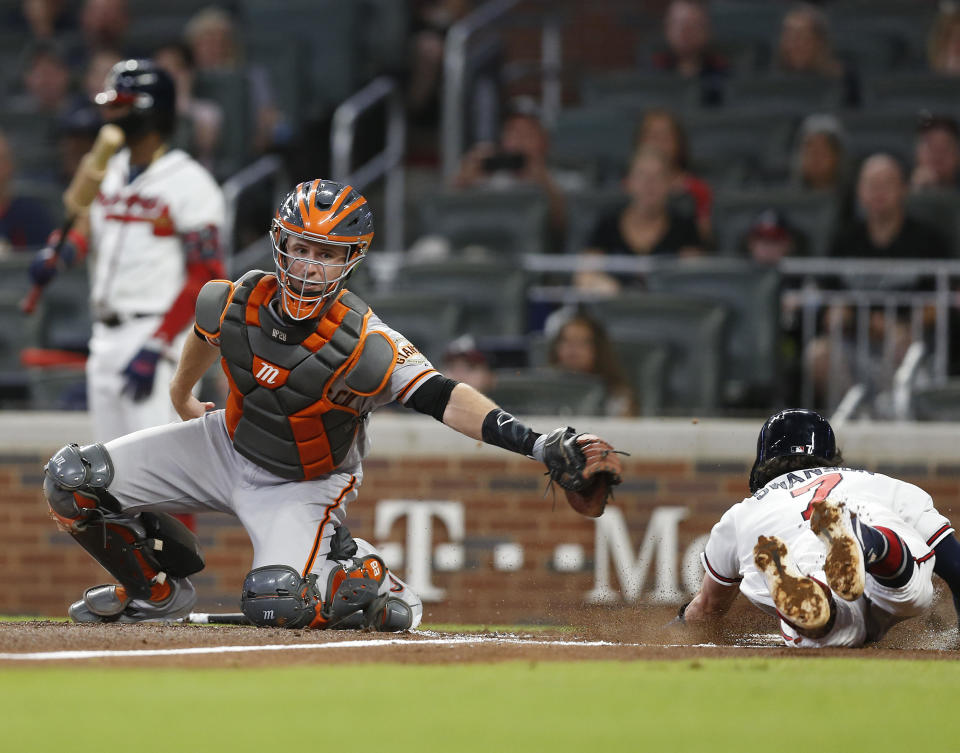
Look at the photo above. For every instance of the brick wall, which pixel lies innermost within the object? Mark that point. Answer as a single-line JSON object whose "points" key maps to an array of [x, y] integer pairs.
{"points": [[503, 502]]}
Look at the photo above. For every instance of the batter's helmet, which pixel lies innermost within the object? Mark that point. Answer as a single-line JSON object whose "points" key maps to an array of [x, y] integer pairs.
{"points": [[793, 432], [148, 89], [319, 211]]}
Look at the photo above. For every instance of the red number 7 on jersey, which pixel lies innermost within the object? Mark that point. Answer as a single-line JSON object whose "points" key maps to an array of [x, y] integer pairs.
{"points": [[823, 485]]}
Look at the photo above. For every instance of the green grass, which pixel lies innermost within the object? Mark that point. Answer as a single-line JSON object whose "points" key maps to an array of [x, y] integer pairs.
{"points": [[714, 705]]}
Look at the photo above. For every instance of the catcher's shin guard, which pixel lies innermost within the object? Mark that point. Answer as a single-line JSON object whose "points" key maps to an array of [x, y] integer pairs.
{"points": [[139, 550]]}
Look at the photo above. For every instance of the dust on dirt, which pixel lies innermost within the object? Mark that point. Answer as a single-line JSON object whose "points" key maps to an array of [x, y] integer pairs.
{"points": [[624, 634]]}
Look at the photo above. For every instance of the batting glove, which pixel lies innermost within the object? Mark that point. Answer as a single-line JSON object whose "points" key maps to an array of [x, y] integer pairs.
{"points": [[141, 371], [46, 263]]}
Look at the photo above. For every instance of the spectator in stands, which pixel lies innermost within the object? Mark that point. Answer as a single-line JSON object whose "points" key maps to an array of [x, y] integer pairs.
{"points": [[77, 132], [662, 130], [464, 362], [936, 154], [819, 160], [46, 80], [686, 31], [199, 120], [103, 25], [771, 237], [98, 66], [46, 19], [645, 227], [804, 47], [212, 37], [885, 230], [581, 345], [943, 44], [520, 159], [25, 222]]}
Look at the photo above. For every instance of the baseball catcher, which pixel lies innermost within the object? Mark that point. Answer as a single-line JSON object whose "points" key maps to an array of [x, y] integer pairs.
{"points": [[306, 361]]}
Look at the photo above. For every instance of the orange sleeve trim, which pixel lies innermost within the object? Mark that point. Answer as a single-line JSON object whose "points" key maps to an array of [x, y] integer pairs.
{"points": [[323, 524], [417, 378], [201, 330]]}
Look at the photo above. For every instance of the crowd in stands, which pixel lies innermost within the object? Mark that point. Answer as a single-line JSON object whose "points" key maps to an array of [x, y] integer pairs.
{"points": [[787, 116]]}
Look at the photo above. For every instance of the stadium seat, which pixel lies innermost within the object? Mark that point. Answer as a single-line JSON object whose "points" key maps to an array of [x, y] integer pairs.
{"points": [[63, 320], [638, 90], [742, 21], [941, 209], [16, 333], [506, 222], [597, 140], [937, 403], [912, 92], [230, 90], [548, 392], [813, 214], [784, 93], [63, 388], [747, 138], [694, 332], [752, 295], [491, 295], [430, 322], [869, 131]]}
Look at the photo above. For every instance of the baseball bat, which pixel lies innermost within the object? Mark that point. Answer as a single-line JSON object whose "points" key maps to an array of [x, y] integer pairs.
{"points": [[223, 618], [80, 195]]}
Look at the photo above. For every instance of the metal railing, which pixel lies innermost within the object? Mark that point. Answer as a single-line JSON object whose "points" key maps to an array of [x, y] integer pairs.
{"points": [[388, 162], [267, 167], [457, 58], [867, 285]]}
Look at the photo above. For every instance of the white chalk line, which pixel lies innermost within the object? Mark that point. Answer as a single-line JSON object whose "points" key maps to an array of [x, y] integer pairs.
{"points": [[369, 643]]}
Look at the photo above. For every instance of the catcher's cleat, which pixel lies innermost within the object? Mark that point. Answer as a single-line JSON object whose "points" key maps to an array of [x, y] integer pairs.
{"points": [[800, 600], [844, 565], [108, 604]]}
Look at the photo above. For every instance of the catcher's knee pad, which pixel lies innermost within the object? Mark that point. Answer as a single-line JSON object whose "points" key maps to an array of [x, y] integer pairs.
{"points": [[139, 550]]}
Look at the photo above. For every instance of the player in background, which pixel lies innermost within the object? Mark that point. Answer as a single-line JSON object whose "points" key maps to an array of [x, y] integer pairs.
{"points": [[307, 362], [153, 234], [838, 554]]}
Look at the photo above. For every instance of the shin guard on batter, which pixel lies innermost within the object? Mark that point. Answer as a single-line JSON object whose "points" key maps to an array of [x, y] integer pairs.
{"points": [[139, 550]]}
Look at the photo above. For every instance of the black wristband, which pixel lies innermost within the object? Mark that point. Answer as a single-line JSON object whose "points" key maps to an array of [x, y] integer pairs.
{"points": [[503, 430]]}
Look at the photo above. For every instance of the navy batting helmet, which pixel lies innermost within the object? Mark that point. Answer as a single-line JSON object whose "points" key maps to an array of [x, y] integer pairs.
{"points": [[149, 91], [793, 432]]}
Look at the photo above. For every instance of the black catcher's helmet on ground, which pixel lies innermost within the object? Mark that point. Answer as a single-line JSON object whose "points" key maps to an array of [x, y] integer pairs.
{"points": [[793, 432], [149, 91]]}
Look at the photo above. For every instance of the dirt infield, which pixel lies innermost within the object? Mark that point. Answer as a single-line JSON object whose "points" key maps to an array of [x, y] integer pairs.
{"points": [[624, 635]]}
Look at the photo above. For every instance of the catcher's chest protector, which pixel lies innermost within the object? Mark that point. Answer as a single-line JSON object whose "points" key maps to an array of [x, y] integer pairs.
{"points": [[279, 413]]}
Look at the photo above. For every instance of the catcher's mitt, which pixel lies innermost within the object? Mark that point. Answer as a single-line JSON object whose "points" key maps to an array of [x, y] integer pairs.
{"points": [[585, 466]]}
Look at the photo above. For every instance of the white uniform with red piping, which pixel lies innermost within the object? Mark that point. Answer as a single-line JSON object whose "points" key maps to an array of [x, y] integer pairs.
{"points": [[781, 509], [142, 234]]}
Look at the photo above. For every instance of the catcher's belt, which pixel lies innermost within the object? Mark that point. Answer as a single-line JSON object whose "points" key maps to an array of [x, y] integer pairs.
{"points": [[279, 412]]}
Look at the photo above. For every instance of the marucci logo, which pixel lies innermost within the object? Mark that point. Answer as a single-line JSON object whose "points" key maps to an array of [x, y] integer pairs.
{"points": [[268, 374]]}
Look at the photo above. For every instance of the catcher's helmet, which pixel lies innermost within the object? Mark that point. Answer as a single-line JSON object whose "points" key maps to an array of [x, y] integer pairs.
{"points": [[148, 89], [793, 432], [319, 211]]}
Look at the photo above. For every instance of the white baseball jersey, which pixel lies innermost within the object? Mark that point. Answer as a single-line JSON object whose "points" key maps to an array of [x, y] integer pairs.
{"points": [[137, 258], [138, 266], [782, 509]]}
